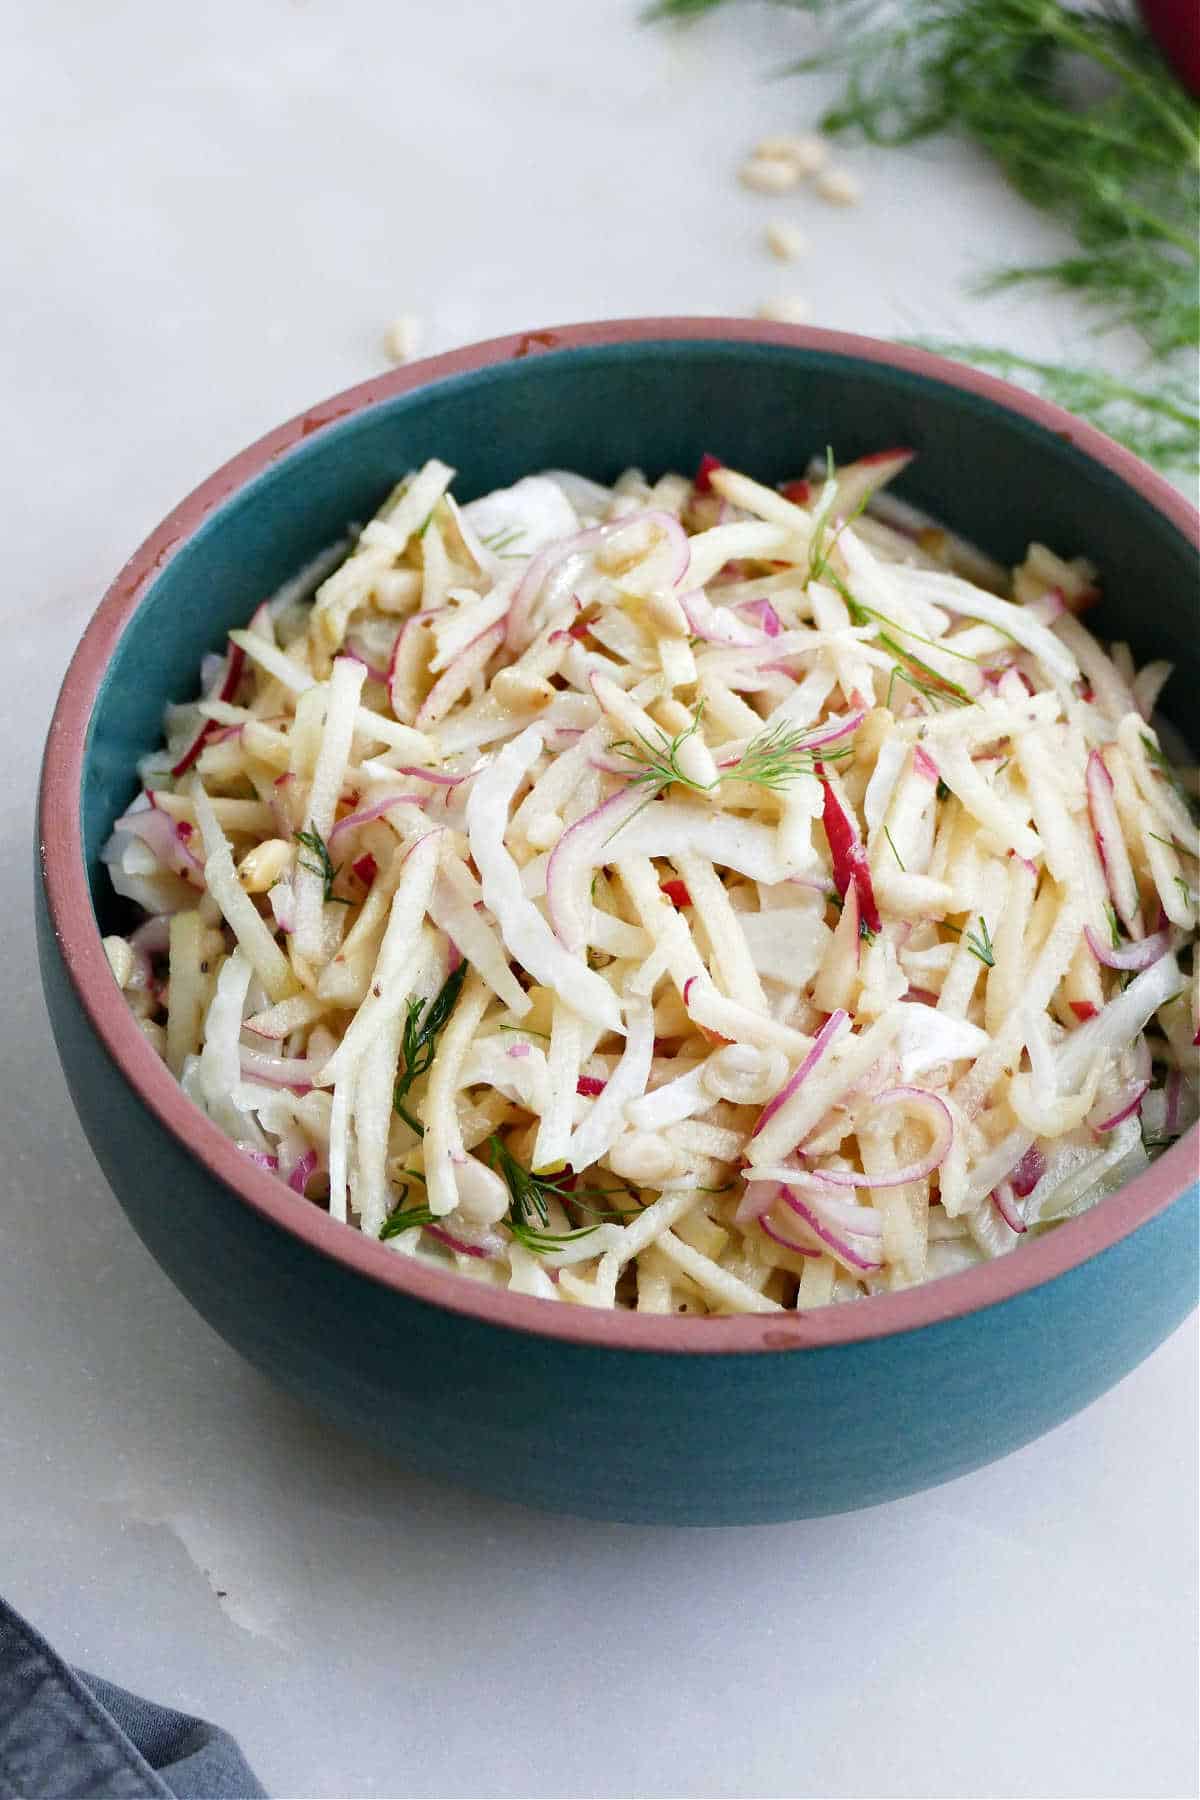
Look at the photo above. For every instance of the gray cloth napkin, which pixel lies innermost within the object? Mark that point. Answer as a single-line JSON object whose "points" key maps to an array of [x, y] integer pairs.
{"points": [[65, 1735]]}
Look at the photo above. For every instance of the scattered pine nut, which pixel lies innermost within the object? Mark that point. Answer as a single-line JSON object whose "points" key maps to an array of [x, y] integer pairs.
{"points": [[789, 309], [807, 153], [839, 187], [402, 338], [120, 960], [769, 174], [786, 241]]}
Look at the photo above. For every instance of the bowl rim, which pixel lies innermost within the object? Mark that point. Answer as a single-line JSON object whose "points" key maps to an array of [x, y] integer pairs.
{"points": [[60, 849]]}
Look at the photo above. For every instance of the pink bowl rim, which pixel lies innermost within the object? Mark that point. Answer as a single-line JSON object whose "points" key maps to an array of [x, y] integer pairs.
{"points": [[74, 925]]}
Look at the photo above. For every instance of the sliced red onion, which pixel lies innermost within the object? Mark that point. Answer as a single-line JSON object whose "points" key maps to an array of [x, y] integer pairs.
{"points": [[456, 956], [758, 1197], [1005, 1202], [924, 764], [458, 675], [374, 811], [1139, 955], [517, 1050], [484, 1243], [573, 859], [850, 866], [819, 1229], [549, 559], [830, 1031], [1026, 1174], [224, 689], [294, 1072], [938, 1114], [764, 614], [717, 624], [1114, 1108], [785, 1243], [163, 837], [438, 777], [366, 868], [302, 1171], [373, 669]]}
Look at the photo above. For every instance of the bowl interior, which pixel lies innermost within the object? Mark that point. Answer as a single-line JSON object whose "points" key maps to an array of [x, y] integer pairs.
{"points": [[995, 475]]}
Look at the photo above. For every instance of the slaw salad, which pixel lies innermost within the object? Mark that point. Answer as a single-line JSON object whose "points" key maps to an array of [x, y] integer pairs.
{"points": [[696, 896]]}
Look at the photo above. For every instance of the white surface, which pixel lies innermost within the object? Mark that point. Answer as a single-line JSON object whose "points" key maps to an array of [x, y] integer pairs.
{"points": [[212, 216]]}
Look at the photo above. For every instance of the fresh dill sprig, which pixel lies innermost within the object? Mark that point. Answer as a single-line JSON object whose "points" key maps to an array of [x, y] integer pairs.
{"points": [[423, 1025], [531, 1191], [1089, 124], [980, 944], [770, 760], [402, 1220], [887, 834], [313, 842]]}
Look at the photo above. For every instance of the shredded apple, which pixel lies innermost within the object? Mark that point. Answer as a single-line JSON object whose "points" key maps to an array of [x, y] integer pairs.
{"points": [[696, 896]]}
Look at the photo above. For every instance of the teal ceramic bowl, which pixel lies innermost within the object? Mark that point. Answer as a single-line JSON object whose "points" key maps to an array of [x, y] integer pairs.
{"points": [[608, 1414]]}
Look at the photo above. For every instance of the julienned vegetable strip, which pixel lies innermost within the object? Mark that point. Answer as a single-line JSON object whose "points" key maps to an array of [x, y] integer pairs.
{"points": [[699, 946]]}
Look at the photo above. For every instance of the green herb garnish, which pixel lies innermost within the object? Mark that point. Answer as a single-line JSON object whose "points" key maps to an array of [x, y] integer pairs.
{"points": [[770, 760], [1089, 123], [533, 1189], [313, 842], [980, 944], [887, 834], [423, 1026], [408, 1220]]}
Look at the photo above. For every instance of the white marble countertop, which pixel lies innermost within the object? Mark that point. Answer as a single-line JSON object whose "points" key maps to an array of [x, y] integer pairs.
{"points": [[212, 214]]}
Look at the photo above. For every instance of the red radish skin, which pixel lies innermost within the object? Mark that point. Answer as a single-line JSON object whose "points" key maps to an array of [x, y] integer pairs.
{"points": [[708, 464], [676, 892], [1175, 27], [235, 662], [590, 1086], [849, 858]]}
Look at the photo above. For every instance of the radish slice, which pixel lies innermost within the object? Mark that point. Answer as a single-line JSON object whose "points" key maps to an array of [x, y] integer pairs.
{"points": [[302, 1172], [1110, 846], [850, 867]]}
